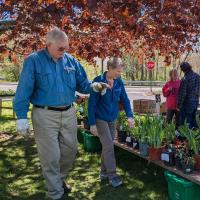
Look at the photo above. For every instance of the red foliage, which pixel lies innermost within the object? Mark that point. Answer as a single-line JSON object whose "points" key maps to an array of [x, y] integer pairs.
{"points": [[103, 27]]}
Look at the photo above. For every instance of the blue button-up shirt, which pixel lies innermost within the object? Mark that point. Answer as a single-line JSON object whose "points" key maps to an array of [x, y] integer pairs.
{"points": [[45, 82]]}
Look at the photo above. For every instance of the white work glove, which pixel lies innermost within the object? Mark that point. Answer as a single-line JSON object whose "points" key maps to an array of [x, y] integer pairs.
{"points": [[23, 127], [100, 87], [131, 122], [93, 130]]}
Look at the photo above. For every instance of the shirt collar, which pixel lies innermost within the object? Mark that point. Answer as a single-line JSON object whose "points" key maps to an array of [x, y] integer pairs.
{"points": [[49, 56], [47, 53], [103, 76]]}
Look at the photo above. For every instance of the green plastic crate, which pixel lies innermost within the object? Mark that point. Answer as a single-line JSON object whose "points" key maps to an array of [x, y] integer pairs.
{"points": [[80, 133], [181, 189], [91, 142]]}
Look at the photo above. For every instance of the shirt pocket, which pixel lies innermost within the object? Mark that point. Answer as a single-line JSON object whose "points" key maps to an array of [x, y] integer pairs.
{"points": [[44, 80], [70, 79]]}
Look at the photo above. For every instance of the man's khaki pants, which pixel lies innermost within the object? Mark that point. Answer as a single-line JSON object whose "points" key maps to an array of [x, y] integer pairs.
{"points": [[56, 138]]}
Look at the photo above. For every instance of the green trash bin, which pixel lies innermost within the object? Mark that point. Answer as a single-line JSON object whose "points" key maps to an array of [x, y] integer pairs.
{"points": [[180, 189], [91, 142]]}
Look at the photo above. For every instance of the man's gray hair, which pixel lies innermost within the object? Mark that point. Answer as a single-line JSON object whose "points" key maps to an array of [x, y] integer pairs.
{"points": [[55, 35], [114, 63]]}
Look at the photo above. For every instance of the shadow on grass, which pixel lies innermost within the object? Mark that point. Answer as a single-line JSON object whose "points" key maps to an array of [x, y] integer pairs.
{"points": [[20, 173], [21, 177]]}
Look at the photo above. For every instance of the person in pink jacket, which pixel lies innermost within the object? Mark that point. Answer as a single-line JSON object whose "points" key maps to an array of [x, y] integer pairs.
{"points": [[170, 91]]}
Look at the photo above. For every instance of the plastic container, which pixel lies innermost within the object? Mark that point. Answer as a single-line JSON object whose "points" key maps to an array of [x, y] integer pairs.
{"points": [[181, 189], [121, 136], [143, 149], [91, 142], [155, 153], [80, 133]]}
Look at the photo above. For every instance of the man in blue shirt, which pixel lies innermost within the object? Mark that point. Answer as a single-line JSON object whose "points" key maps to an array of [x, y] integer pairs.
{"points": [[102, 115], [49, 80]]}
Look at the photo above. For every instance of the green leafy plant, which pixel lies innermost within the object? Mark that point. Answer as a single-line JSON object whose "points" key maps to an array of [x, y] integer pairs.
{"points": [[169, 132], [143, 130], [134, 132], [79, 111], [189, 160], [78, 115], [122, 123], [180, 152], [156, 132], [193, 137]]}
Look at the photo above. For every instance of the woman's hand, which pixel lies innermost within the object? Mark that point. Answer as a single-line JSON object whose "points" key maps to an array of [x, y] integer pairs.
{"points": [[131, 122], [93, 130], [80, 99]]}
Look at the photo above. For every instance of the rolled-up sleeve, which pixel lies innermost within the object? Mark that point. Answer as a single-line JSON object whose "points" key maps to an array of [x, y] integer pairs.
{"points": [[25, 88]]}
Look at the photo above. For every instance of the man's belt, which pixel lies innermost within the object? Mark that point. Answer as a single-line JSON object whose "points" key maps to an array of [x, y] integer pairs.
{"points": [[63, 108]]}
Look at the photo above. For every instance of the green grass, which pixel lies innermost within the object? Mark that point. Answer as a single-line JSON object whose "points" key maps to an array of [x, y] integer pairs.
{"points": [[21, 178]]}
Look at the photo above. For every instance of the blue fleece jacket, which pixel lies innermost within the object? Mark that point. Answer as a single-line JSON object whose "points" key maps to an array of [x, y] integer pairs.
{"points": [[105, 107]]}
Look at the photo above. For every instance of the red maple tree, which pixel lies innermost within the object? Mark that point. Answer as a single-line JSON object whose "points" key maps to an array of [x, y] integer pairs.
{"points": [[104, 27]]}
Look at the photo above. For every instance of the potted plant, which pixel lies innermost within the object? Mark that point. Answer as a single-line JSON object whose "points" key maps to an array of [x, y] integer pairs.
{"points": [[168, 154], [188, 164], [156, 136], [91, 143], [196, 133], [121, 127], [129, 138], [193, 138], [132, 137], [135, 137], [129, 134], [144, 125], [179, 156], [169, 133], [184, 160], [135, 132]]}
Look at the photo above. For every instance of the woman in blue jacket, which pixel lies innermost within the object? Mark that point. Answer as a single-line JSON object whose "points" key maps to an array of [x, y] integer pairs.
{"points": [[102, 114]]}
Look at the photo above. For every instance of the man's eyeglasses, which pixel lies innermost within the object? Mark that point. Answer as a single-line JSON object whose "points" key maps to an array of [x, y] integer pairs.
{"points": [[61, 49]]}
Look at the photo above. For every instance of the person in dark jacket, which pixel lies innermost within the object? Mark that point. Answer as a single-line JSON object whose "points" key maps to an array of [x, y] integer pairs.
{"points": [[102, 115], [189, 94]]}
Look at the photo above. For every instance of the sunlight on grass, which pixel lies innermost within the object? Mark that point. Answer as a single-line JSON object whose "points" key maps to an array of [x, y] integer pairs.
{"points": [[21, 176]]}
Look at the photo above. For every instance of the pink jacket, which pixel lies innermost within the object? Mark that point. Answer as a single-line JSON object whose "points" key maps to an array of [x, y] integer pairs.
{"points": [[170, 91]]}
